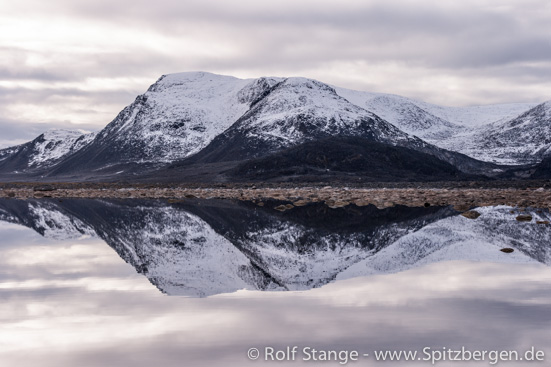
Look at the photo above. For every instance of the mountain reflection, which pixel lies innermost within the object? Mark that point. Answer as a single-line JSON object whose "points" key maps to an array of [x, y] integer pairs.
{"points": [[204, 247]]}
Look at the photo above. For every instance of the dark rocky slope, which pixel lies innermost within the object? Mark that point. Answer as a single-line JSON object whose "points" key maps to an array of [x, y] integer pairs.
{"points": [[347, 158]]}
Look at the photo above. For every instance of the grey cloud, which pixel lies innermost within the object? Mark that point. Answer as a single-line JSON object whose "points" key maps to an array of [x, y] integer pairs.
{"points": [[431, 32], [34, 74], [15, 66], [8, 95], [428, 34], [468, 41], [467, 27]]}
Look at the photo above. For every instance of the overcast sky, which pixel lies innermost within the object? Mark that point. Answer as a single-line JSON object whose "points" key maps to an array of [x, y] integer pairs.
{"points": [[69, 62]]}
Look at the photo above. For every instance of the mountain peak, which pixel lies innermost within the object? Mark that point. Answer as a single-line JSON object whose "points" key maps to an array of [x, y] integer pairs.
{"points": [[190, 79]]}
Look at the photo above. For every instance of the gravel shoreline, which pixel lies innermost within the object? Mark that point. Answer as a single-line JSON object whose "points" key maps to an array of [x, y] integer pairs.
{"points": [[334, 197]]}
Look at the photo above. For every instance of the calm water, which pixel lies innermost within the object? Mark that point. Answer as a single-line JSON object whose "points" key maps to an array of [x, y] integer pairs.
{"points": [[199, 283]]}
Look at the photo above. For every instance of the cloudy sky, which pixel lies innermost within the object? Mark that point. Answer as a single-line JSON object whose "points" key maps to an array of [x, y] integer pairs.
{"points": [[68, 63]]}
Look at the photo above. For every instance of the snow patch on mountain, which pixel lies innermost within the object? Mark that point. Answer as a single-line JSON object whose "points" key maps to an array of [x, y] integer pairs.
{"points": [[7, 152], [47, 149]]}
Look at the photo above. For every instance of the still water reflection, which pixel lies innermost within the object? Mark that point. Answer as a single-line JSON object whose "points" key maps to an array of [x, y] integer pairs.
{"points": [[399, 278]]}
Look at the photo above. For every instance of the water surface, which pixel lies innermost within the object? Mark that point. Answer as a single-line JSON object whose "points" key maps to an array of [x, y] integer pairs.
{"points": [[198, 283]]}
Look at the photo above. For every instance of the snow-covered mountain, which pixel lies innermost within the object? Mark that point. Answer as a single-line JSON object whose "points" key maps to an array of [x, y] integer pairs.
{"points": [[55, 144], [217, 118], [46, 150], [395, 109], [296, 110], [187, 114], [524, 139], [504, 134], [177, 116], [404, 113], [299, 110]]}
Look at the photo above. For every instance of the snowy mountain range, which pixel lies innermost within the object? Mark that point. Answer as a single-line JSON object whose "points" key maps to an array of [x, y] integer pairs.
{"points": [[197, 118], [204, 248], [481, 132]]}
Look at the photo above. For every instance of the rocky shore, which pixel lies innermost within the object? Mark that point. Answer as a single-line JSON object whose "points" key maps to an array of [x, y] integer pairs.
{"points": [[334, 197]]}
